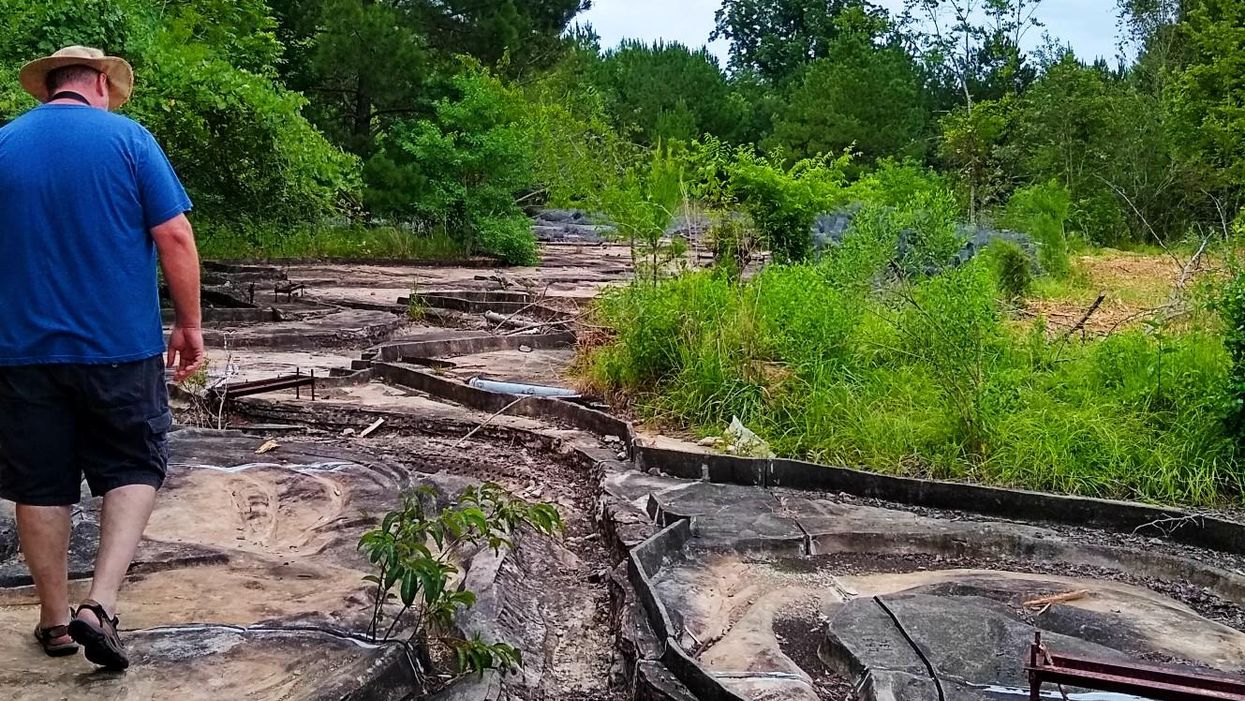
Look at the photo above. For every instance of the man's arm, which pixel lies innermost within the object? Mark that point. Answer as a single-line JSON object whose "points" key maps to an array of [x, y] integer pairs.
{"points": [[175, 241]]}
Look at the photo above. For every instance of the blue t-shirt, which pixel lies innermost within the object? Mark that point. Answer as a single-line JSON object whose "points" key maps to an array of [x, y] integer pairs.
{"points": [[80, 189]]}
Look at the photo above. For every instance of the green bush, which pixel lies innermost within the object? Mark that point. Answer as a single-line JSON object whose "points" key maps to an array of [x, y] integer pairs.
{"points": [[931, 221], [413, 553], [1232, 311], [895, 183], [1042, 212], [783, 202], [1013, 273], [462, 170]]}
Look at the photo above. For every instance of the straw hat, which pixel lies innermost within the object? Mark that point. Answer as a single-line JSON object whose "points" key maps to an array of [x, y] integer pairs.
{"points": [[33, 75]]}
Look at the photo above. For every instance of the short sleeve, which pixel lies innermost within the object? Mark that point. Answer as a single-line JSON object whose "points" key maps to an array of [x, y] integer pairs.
{"points": [[162, 194]]}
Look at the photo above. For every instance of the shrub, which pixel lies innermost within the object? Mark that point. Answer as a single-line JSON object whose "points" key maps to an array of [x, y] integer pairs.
{"points": [[897, 184], [927, 378], [1042, 211], [1013, 273], [412, 551], [461, 170], [783, 202], [933, 236], [1232, 311], [641, 205]]}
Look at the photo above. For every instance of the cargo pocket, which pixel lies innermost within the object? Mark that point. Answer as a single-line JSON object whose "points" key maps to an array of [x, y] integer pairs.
{"points": [[158, 439]]}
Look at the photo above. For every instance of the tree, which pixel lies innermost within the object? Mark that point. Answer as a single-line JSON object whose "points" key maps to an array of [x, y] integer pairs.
{"points": [[866, 96], [1207, 104], [366, 64], [774, 39], [1107, 142], [976, 42], [974, 146], [667, 91], [514, 36], [462, 169], [205, 87]]}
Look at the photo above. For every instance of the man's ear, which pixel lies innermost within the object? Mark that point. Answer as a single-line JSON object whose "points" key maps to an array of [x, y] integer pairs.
{"points": [[101, 84]]}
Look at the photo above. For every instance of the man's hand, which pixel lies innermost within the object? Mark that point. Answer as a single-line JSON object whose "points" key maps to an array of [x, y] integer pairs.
{"points": [[185, 352]]}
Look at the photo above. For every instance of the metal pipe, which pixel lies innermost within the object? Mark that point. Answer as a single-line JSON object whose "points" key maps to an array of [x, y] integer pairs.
{"points": [[519, 389]]}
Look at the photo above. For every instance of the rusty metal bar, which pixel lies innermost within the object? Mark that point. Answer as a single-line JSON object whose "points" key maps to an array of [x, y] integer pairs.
{"points": [[1158, 683], [275, 384]]}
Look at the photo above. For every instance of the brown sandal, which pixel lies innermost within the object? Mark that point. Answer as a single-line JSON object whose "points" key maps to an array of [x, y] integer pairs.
{"points": [[45, 636], [101, 644]]}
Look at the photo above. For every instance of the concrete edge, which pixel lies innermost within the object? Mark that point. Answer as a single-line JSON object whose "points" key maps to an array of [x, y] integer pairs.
{"points": [[643, 562], [1210, 532], [557, 410], [448, 348]]}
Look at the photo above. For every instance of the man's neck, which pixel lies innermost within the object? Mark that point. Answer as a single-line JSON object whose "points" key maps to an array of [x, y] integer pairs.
{"points": [[69, 96]]}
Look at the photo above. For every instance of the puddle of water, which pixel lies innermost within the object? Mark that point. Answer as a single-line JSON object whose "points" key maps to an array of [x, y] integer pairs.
{"points": [[1087, 696]]}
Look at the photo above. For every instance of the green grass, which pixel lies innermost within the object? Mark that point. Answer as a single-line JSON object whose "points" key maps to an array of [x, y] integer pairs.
{"points": [[273, 242], [928, 381]]}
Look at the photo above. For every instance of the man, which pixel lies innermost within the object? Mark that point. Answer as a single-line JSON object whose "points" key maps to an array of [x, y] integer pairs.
{"points": [[87, 200]]}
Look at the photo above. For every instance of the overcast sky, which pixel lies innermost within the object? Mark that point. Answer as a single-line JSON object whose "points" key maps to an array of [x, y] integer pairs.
{"points": [[1089, 25]]}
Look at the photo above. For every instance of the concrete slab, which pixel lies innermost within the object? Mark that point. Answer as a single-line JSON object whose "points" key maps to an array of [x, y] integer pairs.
{"points": [[280, 530]]}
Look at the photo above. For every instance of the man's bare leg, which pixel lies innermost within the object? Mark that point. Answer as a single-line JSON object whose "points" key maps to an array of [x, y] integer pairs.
{"points": [[122, 521], [44, 535]]}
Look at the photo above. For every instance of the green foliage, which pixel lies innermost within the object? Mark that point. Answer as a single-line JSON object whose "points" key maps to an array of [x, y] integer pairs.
{"points": [[461, 170], [204, 87], [279, 241], [1232, 311], [776, 38], [783, 202], [895, 183], [641, 206], [1013, 273], [1210, 90], [927, 379], [363, 64], [933, 237], [667, 91], [974, 147], [865, 97], [236, 138], [412, 553], [1107, 142], [1042, 212]]}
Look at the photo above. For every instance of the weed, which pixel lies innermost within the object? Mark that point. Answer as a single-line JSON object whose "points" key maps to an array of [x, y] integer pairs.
{"points": [[924, 378], [273, 242], [413, 551], [1013, 273]]}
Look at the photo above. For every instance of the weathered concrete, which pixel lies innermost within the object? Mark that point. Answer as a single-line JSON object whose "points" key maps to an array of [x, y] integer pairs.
{"points": [[280, 528]]}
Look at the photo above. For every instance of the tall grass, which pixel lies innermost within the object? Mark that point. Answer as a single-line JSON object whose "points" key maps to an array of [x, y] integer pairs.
{"points": [[273, 242], [923, 378]]}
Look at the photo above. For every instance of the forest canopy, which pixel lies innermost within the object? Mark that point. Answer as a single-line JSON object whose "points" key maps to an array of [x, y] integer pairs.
{"points": [[449, 118]]}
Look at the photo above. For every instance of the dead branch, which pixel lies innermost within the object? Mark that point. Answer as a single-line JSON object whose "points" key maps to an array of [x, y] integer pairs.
{"points": [[1057, 599], [1170, 525], [1102, 296], [1189, 267], [543, 324], [488, 421], [1154, 234], [539, 298]]}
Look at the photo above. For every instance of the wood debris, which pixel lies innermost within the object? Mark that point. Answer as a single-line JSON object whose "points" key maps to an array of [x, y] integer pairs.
{"points": [[1057, 599]]}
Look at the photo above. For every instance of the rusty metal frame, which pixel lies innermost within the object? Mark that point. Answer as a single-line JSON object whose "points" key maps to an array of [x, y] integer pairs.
{"points": [[246, 389], [1149, 682]]}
